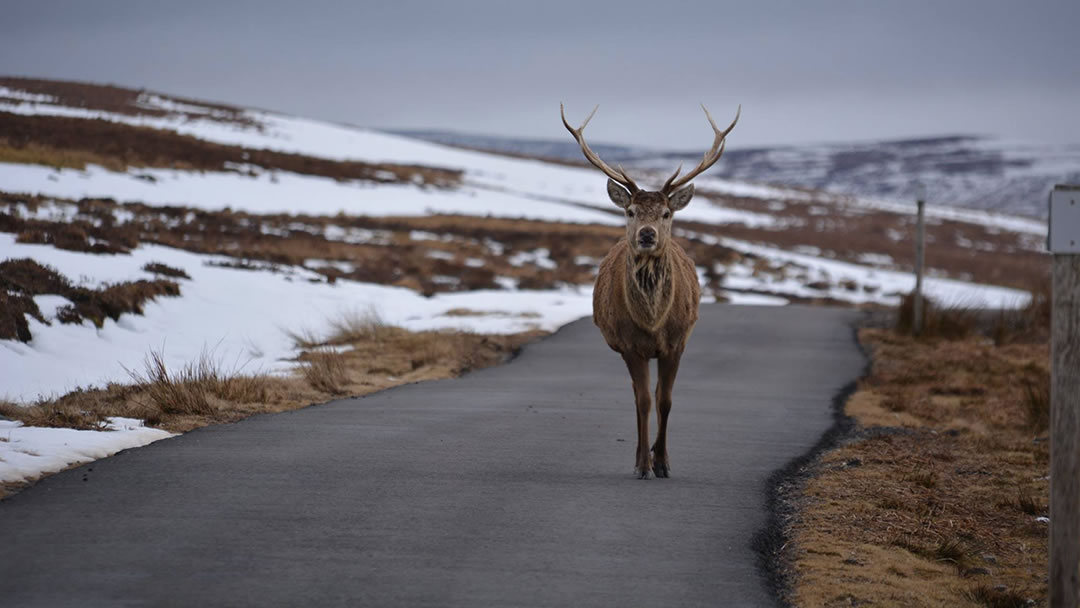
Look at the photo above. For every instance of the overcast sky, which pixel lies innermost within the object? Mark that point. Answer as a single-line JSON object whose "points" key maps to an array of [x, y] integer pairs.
{"points": [[804, 71]]}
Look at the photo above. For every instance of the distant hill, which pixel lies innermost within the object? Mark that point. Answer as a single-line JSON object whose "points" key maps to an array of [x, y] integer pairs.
{"points": [[958, 170], [547, 149]]}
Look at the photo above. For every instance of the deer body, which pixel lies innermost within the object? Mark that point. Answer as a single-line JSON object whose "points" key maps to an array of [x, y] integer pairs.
{"points": [[646, 305], [646, 296]]}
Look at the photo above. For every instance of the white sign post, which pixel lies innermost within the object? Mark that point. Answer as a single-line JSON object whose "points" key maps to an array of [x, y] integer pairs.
{"points": [[1064, 243]]}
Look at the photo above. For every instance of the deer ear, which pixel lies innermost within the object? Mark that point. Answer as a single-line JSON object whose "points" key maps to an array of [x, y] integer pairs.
{"points": [[681, 198], [618, 195]]}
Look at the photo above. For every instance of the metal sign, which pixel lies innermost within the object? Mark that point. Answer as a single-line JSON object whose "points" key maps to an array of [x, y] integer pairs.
{"points": [[1064, 234]]}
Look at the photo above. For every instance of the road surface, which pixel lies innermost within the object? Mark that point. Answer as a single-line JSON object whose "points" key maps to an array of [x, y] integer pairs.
{"points": [[512, 486]]}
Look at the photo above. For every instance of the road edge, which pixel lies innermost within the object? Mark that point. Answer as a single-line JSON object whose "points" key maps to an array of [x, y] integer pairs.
{"points": [[784, 483]]}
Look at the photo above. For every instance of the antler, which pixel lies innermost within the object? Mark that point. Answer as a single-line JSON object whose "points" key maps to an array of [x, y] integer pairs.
{"points": [[713, 155], [619, 176]]}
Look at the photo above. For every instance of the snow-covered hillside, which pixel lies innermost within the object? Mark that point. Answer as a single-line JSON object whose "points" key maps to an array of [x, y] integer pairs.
{"points": [[230, 308], [510, 187], [1005, 176]]}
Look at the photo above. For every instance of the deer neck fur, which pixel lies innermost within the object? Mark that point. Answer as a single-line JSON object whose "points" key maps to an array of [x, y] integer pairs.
{"points": [[648, 289]]}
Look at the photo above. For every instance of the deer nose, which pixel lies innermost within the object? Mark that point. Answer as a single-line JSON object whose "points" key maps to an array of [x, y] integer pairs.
{"points": [[647, 236]]}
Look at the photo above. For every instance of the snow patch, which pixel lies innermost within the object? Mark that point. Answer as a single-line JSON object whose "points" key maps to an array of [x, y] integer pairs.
{"points": [[49, 304], [27, 452], [539, 257], [26, 96]]}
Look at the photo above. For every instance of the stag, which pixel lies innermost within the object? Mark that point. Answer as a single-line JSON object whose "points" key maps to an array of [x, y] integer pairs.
{"points": [[645, 301]]}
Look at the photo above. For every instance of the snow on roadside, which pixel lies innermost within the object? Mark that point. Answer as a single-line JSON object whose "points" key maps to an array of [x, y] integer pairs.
{"points": [[27, 452], [242, 315]]}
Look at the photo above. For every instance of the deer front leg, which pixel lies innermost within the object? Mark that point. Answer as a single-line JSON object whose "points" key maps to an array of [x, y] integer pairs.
{"points": [[639, 374], [667, 368]]}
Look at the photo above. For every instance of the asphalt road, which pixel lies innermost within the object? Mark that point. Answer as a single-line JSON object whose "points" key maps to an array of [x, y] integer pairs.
{"points": [[511, 486]]}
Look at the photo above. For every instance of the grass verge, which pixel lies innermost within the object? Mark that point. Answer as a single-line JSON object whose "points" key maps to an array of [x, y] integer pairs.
{"points": [[936, 497]]}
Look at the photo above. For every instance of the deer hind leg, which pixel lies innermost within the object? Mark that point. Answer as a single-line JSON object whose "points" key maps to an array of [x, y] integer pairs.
{"points": [[667, 369], [639, 374]]}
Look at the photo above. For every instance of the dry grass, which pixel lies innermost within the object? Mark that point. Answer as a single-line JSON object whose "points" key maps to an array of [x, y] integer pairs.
{"points": [[984, 595], [1027, 325], [951, 474], [13, 311], [361, 327], [22, 279], [325, 371], [166, 270], [468, 312], [35, 154], [1037, 400], [950, 322], [1030, 324], [370, 348], [367, 356], [193, 388], [73, 237], [69, 411]]}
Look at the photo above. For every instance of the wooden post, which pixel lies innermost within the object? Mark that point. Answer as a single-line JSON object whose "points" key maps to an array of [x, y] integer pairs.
{"points": [[920, 250], [1064, 243]]}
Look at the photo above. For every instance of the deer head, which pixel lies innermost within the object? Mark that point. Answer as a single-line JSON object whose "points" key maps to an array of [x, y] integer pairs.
{"points": [[649, 213]]}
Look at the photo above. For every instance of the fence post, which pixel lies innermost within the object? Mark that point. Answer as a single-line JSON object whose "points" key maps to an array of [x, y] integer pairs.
{"points": [[920, 251], [1064, 243]]}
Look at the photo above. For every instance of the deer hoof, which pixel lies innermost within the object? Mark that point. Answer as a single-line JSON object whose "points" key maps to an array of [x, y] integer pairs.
{"points": [[661, 470], [643, 473]]}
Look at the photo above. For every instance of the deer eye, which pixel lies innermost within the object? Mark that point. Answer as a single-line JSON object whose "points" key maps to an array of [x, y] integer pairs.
{"points": [[629, 213], [667, 214]]}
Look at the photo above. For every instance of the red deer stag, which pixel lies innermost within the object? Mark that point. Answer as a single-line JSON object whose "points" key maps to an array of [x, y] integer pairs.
{"points": [[646, 297]]}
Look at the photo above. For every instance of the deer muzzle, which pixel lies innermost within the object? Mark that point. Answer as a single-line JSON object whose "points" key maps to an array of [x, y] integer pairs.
{"points": [[646, 238]]}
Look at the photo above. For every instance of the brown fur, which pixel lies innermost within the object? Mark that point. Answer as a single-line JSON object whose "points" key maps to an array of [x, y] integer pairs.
{"points": [[645, 303], [634, 318]]}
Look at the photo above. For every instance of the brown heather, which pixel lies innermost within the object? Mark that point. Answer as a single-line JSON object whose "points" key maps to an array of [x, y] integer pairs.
{"points": [[58, 141], [22, 279], [116, 99], [400, 260], [933, 501]]}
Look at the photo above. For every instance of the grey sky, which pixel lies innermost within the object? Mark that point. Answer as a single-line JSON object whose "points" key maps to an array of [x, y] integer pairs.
{"points": [[804, 71]]}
